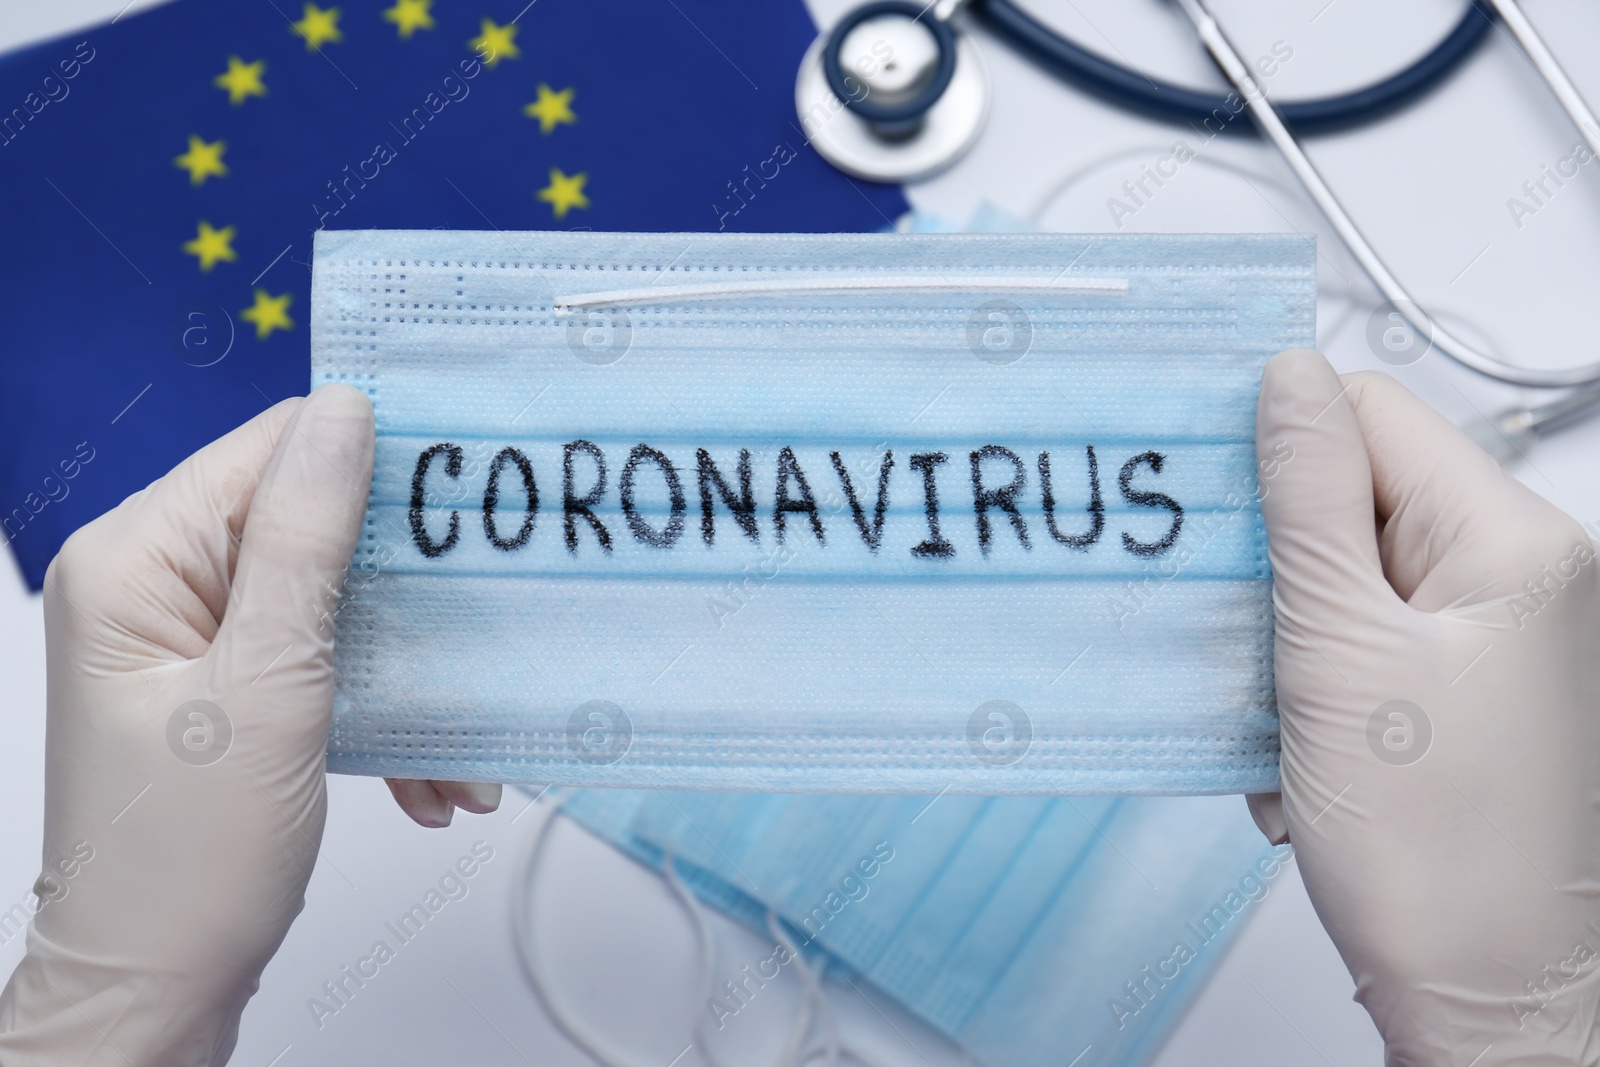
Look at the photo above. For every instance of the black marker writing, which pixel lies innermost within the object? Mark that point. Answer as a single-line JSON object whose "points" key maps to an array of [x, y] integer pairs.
{"points": [[1004, 498], [419, 532], [572, 506], [491, 500], [872, 536], [641, 529], [510, 511], [784, 505], [743, 506], [1140, 499], [1096, 509], [935, 547]]}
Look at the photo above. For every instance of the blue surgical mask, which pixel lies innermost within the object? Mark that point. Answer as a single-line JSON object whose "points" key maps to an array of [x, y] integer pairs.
{"points": [[1028, 930], [877, 513]]}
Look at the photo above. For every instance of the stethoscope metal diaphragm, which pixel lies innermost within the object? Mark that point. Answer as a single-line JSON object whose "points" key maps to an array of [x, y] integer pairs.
{"points": [[890, 94]]}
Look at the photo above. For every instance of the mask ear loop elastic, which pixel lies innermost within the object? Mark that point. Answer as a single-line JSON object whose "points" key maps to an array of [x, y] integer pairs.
{"points": [[832, 1048], [790, 1055], [521, 923], [846, 1053], [578, 1033], [815, 998]]}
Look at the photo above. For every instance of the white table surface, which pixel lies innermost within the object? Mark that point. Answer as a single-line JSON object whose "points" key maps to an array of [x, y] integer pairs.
{"points": [[1429, 186]]}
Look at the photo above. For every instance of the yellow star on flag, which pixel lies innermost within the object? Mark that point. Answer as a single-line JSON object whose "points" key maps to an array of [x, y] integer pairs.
{"points": [[495, 43], [409, 16], [552, 108], [268, 313], [564, 192], [212, 246], [203, 159], [319, 26], [242, 80]]}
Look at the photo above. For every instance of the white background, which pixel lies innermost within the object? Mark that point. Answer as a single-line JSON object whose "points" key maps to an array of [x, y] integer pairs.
{"points": [[1429, 187]]}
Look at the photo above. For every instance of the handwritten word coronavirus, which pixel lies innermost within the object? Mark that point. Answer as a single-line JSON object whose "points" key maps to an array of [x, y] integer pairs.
{"points": [[592, 499]]}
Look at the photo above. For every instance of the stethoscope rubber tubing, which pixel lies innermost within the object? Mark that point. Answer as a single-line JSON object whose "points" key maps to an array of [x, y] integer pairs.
{"points": [[1174, 103]]}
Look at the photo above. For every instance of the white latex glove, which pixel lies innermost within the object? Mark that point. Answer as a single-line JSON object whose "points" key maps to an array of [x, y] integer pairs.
{"points": [[1459, 876], [178, 837]]}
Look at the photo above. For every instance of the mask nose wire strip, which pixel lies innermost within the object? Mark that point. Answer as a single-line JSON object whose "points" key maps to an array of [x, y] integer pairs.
{"points": [[522, 923], [1266, 115], [662, 294]]}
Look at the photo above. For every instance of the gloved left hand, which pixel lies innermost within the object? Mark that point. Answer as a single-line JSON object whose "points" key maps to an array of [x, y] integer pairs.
{"points": [[190, 650]]}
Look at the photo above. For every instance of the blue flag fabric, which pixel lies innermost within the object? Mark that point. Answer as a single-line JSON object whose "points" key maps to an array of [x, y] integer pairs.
{"points": [[164, 175]]}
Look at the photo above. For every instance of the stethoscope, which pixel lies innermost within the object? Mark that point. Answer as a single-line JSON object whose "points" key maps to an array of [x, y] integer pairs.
{"points": [[893, 93]]}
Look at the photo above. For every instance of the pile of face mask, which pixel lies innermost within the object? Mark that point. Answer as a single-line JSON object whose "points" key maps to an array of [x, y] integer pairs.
{"points": [[827, 513], [1028, 930]]}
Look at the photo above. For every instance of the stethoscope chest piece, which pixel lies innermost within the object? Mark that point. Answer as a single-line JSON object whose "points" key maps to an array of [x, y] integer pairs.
{"points": [[891, 94]]}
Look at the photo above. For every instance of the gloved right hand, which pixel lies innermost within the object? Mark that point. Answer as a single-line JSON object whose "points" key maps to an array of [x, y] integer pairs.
{"points": [[1437, 680]]}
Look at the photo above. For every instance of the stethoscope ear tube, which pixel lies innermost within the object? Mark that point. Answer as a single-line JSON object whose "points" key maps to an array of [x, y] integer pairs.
{"points": [[1273, 126]]}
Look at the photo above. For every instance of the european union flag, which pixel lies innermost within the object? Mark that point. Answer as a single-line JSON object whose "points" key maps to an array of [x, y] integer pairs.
{"points": [[164, 176]]}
